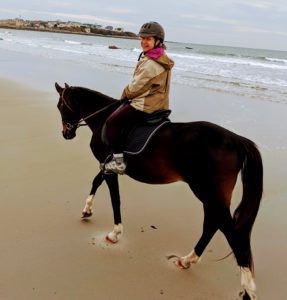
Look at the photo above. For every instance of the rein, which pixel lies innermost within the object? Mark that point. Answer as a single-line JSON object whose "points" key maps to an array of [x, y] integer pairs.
{"points": [[78, 124]]}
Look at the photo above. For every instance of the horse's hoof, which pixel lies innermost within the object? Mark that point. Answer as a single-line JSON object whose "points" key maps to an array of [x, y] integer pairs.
{"points": [[86, 214], [243, 295], [181, 265], [111, 240], [178, 262]]}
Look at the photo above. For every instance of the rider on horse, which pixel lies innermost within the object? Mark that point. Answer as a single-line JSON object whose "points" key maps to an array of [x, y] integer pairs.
{"points": [[148, 91]]}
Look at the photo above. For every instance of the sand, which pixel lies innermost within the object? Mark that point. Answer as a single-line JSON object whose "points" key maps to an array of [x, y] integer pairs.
{"points": [[47, 252]]}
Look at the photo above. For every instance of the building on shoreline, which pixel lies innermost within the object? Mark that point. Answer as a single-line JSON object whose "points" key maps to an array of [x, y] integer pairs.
{"points": [[67, 27]]}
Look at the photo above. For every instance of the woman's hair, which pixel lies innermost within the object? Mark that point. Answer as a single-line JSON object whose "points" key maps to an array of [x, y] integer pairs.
{"points": [[161, 44]]}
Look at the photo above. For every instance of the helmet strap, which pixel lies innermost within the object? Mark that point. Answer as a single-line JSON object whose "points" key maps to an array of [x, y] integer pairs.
{"points": [[140, 55]]}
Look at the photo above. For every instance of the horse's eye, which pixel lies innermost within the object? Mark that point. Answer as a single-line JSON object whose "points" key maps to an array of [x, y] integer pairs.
{"points": [[60, 105]]}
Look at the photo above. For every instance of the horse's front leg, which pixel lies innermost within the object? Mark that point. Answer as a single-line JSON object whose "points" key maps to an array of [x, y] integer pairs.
{"points": [[88, 209], [113, 184]]}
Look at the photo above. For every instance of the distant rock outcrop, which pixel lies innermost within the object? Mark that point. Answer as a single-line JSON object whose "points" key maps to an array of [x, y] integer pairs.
{"points": [[114, 47]]}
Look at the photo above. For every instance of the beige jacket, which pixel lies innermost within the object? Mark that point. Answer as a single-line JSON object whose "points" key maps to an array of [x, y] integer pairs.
{"points": [[149, 89]]}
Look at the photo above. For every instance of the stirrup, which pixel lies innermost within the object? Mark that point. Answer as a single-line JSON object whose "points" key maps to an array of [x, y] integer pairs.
{"points": [[115, 165]]}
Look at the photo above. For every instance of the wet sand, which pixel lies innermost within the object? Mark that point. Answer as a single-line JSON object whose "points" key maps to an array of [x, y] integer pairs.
{"points": [[47, 252]]}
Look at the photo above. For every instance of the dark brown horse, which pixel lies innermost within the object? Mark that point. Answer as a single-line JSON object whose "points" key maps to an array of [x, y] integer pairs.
{"points": [[205, 156]]}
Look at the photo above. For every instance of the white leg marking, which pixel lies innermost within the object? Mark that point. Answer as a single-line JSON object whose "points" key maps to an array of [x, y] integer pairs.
{"points": [[114, 235], [88, 209], [184, 262], [187, 260], [247, 282]]}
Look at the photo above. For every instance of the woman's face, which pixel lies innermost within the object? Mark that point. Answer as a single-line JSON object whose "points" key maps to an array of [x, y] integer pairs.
{"points": [[147, 43]]}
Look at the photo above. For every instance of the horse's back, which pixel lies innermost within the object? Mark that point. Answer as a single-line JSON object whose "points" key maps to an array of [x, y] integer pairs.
{"points": [[198, 135], [179, 150]]}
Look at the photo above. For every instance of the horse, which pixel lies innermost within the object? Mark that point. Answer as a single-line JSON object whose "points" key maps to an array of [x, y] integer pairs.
{"points": [[204, 155]]}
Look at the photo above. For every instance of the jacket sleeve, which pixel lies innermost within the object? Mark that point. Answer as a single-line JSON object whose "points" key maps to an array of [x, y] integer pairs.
{"points": [[142, 80]]}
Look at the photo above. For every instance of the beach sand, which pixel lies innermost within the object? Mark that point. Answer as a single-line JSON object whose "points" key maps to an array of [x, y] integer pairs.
{"points": [[47, 252]]}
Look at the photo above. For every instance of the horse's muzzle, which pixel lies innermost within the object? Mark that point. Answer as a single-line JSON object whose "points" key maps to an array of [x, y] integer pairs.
{"points": [[69, 134]]}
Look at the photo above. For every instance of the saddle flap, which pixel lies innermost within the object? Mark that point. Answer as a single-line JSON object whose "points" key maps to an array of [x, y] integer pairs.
{"points": [[139, 137]]}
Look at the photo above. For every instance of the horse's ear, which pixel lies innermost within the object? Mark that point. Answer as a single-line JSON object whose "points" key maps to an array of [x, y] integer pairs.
{"points": [[58, 88], [66, 85]]}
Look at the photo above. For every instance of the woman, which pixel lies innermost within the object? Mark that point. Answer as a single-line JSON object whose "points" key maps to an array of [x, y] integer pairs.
{"points": [[147, 92]]}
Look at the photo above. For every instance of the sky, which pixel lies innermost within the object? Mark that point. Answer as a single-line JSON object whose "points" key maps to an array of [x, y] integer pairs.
{"points": [[239, 23]]}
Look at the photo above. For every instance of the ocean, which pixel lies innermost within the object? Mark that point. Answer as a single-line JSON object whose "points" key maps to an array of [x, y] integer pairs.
{"points": [[253, 73]]}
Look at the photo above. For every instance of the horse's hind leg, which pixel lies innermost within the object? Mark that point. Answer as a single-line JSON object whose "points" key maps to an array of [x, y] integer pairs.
{"points": [[210, 226], [88, 209], [242, 253], [219, 217]]}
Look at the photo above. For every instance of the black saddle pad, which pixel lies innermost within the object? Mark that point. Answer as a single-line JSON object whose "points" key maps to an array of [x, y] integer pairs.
{"points": [[139, 137]]}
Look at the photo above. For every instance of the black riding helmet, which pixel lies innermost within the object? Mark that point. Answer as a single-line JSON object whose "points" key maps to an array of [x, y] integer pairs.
{"points": [[152, 29]]}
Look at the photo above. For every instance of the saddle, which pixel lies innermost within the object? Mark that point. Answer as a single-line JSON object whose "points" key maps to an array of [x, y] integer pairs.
{"points": [[157, 116], [136, 138]]}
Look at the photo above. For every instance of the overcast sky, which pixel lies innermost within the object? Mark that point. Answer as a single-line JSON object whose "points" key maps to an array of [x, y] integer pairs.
{"points": [[246, 23]]}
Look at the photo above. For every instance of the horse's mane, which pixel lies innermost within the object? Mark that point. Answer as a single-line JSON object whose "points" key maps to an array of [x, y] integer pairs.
{"points": [[88, 93], [94, 101]]}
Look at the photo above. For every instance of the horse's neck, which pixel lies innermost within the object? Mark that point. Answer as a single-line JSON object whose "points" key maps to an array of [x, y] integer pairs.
{"points": [[93, 102], [90, 101]]}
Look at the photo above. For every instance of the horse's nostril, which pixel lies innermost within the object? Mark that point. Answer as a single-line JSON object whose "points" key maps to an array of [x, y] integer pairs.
{"points": [[68, 135]]}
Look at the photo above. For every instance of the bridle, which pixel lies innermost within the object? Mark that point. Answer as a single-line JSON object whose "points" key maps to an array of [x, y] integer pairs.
{"points": [[80, 123], [68, 125]]}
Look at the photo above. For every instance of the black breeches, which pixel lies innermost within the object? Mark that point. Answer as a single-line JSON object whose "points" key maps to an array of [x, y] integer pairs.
{"points": [[123, 118]]}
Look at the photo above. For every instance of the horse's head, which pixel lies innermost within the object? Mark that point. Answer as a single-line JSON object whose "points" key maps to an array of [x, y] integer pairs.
{"points": [[69, 112]]}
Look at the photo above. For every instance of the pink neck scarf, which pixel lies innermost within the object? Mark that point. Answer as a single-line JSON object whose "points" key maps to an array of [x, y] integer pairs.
{"points": [[155, 53]]}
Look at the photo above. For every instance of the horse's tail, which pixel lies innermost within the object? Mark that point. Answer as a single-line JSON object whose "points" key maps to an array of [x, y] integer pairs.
{"points": [[246, 212]]}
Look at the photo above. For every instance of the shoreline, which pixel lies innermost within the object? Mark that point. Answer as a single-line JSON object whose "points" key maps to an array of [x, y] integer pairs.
{"points": [[206, 73], [244, 115]]}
